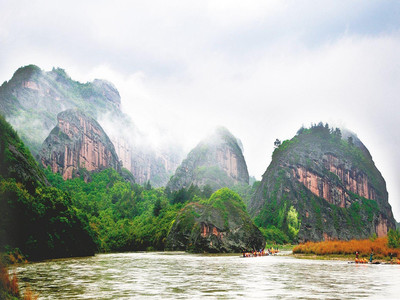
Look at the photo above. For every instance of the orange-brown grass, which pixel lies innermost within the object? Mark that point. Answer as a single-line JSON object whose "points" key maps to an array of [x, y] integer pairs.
{"points": [[8, 284], [29, 295], [364, 248]]}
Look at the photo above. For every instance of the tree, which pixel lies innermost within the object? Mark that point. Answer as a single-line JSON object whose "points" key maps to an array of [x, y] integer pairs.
{"points": [[301, 130], [207, 191], [277, 143], [193, 190], [179, 196], [350, 141], [147, 185], [393, 238], [157, 207], [293, 223], [337, 133], [168, 192]]}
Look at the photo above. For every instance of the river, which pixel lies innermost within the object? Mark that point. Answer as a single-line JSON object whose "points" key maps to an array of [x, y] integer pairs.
{"points": [[174, 275]]}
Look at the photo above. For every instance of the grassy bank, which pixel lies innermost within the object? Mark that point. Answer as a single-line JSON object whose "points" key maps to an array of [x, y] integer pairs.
{"points": [[347, 249]]}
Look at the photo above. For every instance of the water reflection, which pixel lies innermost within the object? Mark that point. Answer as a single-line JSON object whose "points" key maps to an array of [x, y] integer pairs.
{"points": [[186, 276]]}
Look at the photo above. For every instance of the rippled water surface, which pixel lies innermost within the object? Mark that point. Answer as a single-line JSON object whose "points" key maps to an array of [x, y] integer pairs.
{"points": [[186, 276]]}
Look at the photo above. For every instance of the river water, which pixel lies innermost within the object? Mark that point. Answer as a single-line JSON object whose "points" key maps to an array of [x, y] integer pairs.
{"points": [[174, 275]]}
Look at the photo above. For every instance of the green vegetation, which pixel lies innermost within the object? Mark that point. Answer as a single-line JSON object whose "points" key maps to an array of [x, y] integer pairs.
{"points": [[273, 217], [246, 191], [274, 235], [220, 198], [122, 216], [226, 200], [393, 238], [293, 223]]}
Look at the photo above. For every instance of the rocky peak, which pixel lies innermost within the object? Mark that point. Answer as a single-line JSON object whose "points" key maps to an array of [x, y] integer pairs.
{"points": [[217, 161], [27, 73], [332, 183], [109, 91], [220, 224], [77, 142]]}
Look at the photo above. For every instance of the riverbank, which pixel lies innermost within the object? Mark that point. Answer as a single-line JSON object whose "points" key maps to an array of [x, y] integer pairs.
{"points": [[341, 257]]}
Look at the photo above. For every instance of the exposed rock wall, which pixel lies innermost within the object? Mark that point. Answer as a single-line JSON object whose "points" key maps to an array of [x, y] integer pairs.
{"points": [[124, 152], [228, 161], [352, 180], [78, 142]]}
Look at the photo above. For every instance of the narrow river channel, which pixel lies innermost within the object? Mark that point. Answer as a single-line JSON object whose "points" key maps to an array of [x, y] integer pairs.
{"points": [[172, 275]]}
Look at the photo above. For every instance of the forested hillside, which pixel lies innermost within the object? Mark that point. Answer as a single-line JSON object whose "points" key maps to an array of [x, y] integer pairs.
{"points": [[36, 218]]}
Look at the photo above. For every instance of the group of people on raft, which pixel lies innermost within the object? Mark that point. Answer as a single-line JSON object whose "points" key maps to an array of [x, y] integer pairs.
{"points": [[261, 252], [371, 257]]}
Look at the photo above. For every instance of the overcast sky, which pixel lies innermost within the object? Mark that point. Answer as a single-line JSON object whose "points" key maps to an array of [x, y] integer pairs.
{"points": [[260, 68]]}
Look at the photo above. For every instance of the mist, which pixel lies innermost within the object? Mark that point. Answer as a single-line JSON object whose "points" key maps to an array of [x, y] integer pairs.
{"points": [[262, 70]]}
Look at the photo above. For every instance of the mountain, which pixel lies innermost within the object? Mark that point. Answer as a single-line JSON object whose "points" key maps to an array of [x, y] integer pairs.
{"points": [[329, 184], [78, 141], [217, 161], [220, 224], [34, 217], [32, 99]]}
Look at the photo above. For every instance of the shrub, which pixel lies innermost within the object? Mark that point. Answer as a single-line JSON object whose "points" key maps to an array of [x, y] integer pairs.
{"points": [[393, 238]]}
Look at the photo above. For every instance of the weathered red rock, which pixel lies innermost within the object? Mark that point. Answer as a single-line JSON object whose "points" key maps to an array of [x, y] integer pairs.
{"points": [[78, 142]]}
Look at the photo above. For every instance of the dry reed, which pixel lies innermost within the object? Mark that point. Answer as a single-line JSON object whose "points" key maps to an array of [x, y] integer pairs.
{"points": [[364, 247]]}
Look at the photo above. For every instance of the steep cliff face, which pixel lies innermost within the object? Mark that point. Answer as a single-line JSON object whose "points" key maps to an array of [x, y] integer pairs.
{"points": [[78, 141], [33, 98], [217, 161], [219, 225], [333, 184], [153, 166]]}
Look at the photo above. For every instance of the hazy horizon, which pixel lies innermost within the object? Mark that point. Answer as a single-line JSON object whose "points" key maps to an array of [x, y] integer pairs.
{"points": [[261, 69]]}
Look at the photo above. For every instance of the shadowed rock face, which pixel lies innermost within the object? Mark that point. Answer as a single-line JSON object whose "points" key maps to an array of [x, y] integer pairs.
{"points": [[78, 141], [219, 225], [333, 184], [217, 161]]}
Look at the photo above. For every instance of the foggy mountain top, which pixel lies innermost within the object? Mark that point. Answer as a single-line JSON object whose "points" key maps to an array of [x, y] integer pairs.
{"points": [[260, 68]]}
